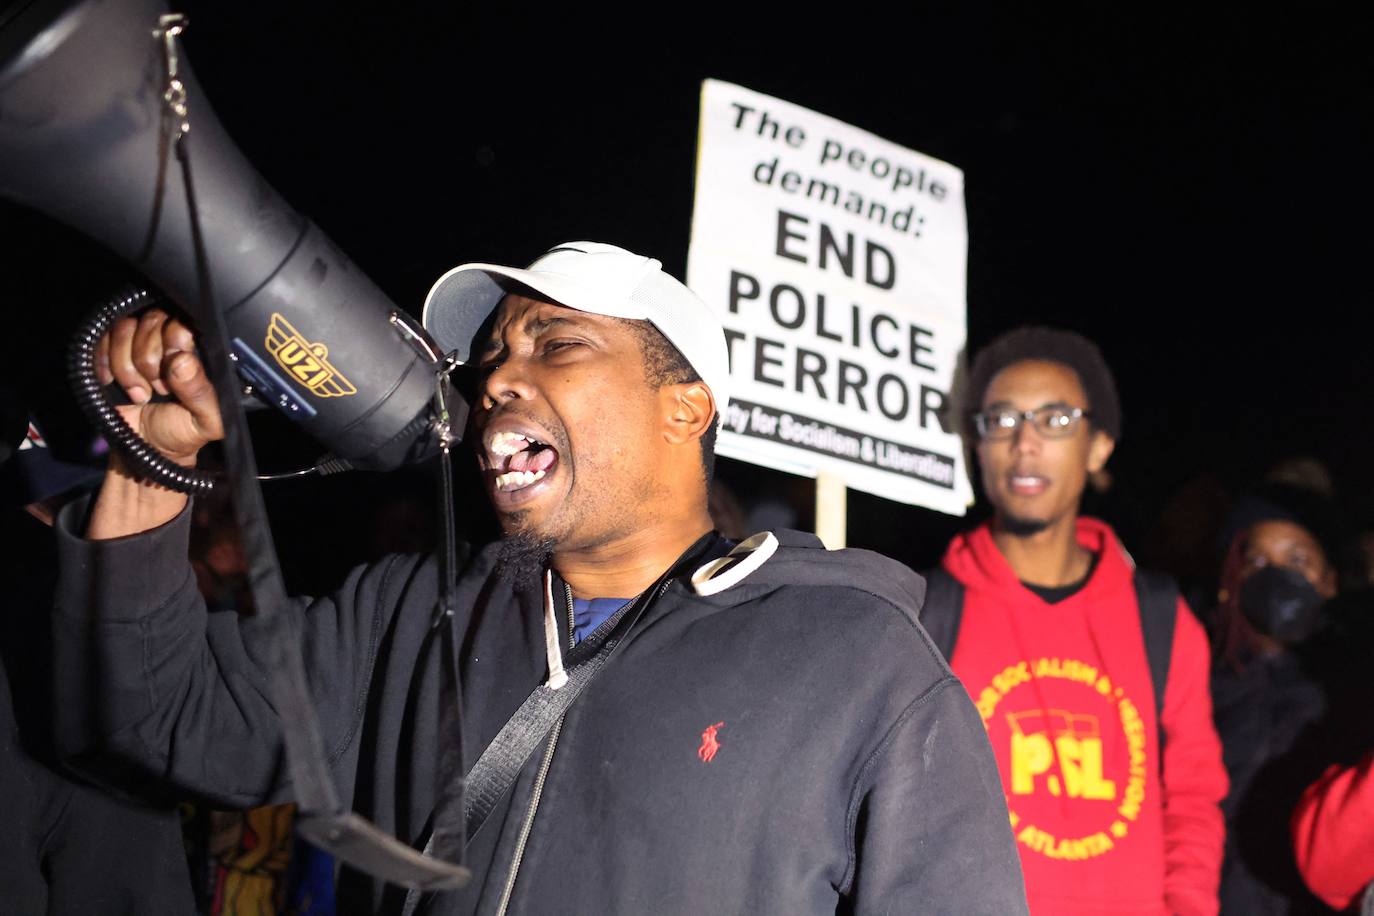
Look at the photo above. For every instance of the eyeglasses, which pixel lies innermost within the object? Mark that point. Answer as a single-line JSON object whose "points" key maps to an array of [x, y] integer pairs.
{"points": [[1053, 421]]}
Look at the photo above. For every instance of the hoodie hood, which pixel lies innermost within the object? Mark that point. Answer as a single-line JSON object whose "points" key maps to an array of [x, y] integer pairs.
{"points": [[973, 559], [782, 558]]}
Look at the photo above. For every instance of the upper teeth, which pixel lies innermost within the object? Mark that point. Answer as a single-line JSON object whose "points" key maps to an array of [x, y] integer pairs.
{"points": [[504, 443]]}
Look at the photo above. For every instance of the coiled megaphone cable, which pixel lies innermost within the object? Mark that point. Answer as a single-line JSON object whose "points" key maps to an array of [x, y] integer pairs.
{"points": [[146, 461]]}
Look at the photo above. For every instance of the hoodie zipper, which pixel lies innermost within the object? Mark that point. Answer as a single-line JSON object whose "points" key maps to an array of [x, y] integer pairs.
{"points": [[572, 618], [529, 818], [539, 780], [547, 762]]}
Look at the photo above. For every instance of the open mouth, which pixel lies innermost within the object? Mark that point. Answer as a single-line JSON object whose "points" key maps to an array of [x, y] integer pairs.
{"points": [[519, 460], [1027, 484]]}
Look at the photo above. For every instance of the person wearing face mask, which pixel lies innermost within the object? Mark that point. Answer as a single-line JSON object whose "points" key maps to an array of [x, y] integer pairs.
{"points": [[1277, 580]]}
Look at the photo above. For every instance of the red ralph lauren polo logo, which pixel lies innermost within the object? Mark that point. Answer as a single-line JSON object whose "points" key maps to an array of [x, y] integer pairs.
{"points": [[709, 743]]}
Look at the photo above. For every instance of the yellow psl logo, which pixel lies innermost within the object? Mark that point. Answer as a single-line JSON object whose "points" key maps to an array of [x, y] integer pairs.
{"points": [[307, 362], [1077, 746]]}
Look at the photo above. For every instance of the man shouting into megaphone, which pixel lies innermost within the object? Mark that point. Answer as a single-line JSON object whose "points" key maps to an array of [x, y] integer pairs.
{"points": [[752, 728]]}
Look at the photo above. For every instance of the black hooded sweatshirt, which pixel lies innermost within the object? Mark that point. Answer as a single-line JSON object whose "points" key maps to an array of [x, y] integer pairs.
{"points": [[845, 770]]}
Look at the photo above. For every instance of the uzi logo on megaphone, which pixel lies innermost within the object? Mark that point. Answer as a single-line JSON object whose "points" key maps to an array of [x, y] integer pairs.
{"points": [[308, 362]]}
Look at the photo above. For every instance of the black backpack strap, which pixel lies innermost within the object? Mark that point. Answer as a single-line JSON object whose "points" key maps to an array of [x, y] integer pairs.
{"points": [[1157, 595], [529, 726], [943, 609]]}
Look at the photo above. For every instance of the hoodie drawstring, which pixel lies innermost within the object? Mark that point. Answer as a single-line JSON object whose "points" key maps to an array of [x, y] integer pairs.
{"points": [[557, 676]]}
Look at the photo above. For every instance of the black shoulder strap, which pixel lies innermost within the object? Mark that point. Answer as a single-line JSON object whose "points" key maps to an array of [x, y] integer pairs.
{"points": [[1157, 596], [943, 609], [496, 770]]}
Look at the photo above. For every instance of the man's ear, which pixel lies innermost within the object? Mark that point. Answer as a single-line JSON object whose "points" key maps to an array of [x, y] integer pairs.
{"points": [[688, 411], [1099, 450]]}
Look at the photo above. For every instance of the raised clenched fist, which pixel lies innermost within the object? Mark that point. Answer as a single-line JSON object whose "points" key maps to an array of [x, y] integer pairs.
{"points": [[155, 353]]}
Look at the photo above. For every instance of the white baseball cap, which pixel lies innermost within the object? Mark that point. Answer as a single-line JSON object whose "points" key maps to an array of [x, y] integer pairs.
{"points": [[590, 277]]}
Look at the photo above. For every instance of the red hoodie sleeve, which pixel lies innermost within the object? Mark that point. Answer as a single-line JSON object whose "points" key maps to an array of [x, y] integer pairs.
{"points": [[1333, 833], [1194, 777]]}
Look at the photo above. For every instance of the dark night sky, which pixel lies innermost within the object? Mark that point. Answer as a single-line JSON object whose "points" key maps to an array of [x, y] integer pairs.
{"points": [[1189, 190]]}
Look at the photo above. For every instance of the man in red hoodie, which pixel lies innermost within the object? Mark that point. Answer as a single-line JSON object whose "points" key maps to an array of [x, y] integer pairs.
{"points": [[1114, 791]]}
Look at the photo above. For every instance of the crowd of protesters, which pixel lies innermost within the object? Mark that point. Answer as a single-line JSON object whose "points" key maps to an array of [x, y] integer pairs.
{"points": [[1194, 742]]}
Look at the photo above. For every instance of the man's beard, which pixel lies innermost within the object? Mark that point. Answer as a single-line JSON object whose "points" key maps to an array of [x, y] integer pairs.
{"points": [[523, 556], [1021, 527]]}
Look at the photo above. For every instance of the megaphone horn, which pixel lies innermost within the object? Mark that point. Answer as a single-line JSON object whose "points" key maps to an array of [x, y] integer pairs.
{"points": [[84, 130]]}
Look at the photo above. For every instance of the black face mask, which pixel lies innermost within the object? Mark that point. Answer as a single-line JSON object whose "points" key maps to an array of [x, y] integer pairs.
{"points": [[1281, 603]]}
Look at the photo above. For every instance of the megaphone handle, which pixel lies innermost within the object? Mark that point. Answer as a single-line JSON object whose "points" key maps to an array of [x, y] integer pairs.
{"points": [[94, 400]]}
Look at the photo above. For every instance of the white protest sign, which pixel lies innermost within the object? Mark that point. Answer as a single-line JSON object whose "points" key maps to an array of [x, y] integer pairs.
{"points": [[837, 263]]}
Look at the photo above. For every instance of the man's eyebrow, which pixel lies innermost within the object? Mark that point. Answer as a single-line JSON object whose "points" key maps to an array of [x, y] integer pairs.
{"points": [[533, 327], [1008, 405], [536, 326]]}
